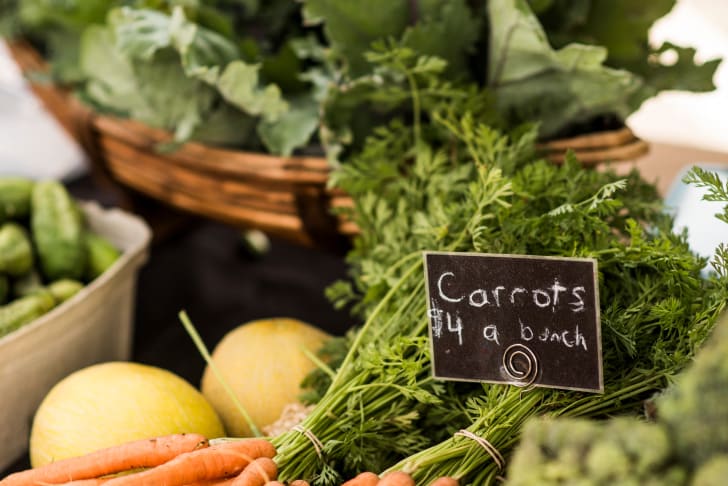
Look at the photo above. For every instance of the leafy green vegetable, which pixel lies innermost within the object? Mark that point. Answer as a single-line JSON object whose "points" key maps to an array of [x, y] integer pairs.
{"points": [[443, 28], [404, 86], [452, 183], [622, 28], [9, 22], [292, 129], [557, 88], [156, 92], [238, 84], [171, 73], [59, 25], [261, 51]]}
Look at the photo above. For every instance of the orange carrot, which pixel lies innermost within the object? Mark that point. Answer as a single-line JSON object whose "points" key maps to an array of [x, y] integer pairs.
{"points": [[276, 483], [396, 478], [299, 482], [213, 482], [257, 473], [445, 481], [217, 461], [363, 479], [131, 455], [82, 482]]}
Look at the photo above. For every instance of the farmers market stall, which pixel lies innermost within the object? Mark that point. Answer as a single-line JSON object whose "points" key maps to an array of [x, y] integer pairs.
{"points": [[515, 303]]}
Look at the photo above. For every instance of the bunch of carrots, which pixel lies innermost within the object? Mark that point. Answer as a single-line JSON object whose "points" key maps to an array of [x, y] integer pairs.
{"points": [[183, 460]]}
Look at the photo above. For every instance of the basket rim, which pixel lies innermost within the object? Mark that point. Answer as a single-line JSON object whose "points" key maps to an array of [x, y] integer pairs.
{"points": [[217, 161], [303, 179]]}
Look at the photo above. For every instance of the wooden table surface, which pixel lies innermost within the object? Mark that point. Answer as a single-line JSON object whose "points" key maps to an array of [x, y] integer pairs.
{"points": [[664, 162]]}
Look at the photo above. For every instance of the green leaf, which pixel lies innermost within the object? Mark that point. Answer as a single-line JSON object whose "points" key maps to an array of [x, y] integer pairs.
{"points": [[284, 69], [442, 28], [622, 27], [557, 88], [69, 15], [202, 51], [449, 33], [140, 33], [111, 81], [238, 84], [228, 126], [173, 101], [156, 92], [683, 73], [293, 129], [352, 26]]}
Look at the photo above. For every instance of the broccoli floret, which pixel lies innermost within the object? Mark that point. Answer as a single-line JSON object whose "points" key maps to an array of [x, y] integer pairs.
{"points": [[689, 438], [606, 461], [712, 473], [624, 451], [695, 408], [647, 445]]}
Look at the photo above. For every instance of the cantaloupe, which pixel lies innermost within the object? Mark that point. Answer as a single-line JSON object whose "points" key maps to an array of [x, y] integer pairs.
{"points": [[264, 363], [113, 403]]}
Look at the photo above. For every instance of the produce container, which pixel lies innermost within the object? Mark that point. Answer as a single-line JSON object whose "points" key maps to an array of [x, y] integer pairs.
{"points": [[93, 326], [286, 197]]}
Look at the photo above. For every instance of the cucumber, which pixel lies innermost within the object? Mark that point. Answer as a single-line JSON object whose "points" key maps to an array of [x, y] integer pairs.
{"points": [[4, 289], [101, 254], [16, 250], [58, 232], [15, 195], [28, 284], [64, 289], [22, 311]]}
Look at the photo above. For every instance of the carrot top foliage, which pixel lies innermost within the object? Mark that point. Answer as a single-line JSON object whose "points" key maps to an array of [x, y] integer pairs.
{"points": [[453, 183]]}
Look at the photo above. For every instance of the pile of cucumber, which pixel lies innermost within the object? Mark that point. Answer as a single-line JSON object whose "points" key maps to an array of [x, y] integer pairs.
{"points": [[47, 252]]}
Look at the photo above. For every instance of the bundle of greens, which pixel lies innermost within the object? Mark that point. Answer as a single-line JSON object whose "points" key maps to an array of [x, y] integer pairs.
{"points": [[450, 183]]}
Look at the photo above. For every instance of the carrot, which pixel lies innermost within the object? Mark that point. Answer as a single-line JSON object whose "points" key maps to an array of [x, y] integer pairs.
{"points": [[213, 482], [299, 482], [396, 478], [276, 483], [257, 473], [217, 461], [82, 482], [131, 455], [363, 479], [445, 481]]}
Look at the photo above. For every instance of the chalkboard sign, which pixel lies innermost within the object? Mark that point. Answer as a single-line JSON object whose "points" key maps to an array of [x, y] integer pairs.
{"points": [[517, 319]]}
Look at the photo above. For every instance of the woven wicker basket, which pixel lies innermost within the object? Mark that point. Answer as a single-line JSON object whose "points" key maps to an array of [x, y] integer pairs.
{"points": [[284, 196]]}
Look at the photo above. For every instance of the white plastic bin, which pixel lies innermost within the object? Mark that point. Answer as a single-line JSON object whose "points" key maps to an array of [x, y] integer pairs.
{"points": [[95, 325]]}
